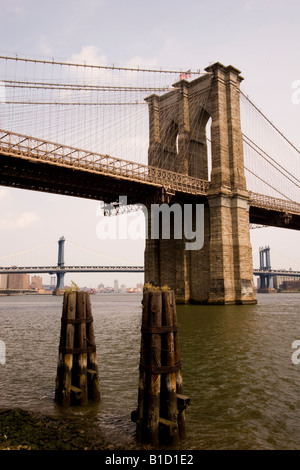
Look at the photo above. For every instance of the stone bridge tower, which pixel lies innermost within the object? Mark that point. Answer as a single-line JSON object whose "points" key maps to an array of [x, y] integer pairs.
{"points": [[221, 272]]}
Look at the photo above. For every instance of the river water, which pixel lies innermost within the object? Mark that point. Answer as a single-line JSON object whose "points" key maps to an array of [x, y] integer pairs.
{"points": [[236, 363]]}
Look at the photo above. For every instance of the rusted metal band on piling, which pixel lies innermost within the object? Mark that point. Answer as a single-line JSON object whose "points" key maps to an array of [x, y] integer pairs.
{"points": [[89, 349], [159, 329], [161, 369], [74, 321]]}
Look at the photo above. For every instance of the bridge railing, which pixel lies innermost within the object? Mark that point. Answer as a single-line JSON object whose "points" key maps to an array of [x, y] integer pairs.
{"points": [[273, 203], [281, 272], [42, 150]]}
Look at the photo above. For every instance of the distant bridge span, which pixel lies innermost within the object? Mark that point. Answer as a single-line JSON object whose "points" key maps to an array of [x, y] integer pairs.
{"points": [[71, 269], [275, 272], [117, 269]]}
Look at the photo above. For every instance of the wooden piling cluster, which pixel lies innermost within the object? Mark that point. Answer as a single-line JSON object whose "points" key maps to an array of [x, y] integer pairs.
{"points": [[160, 415], [77, 379]]}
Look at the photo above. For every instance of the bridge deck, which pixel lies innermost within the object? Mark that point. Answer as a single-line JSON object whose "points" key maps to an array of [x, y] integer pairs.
{"points": [[117, 269], [37, 164], [71, 269]]}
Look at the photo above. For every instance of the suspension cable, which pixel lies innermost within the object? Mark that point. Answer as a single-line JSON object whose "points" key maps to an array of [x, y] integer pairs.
{"points": [[105, 67], [272, 187], [272, 160], [271, 124]]}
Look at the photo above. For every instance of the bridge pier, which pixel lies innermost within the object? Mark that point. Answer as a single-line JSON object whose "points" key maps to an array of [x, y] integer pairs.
{"points": [[230, 251], [221, 272]]}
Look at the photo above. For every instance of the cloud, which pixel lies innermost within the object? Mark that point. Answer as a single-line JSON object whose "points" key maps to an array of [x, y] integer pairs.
{"points": [[44, 46], [90, 55], [26, 219], [9, 221], [141, 62], [248, 6]]}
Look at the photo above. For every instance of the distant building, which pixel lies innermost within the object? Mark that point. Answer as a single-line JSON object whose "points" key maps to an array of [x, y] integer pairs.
{"points": [[36, 282], [18, 281], [290, 285], [116, 286], [3, 281], [278, 281]]}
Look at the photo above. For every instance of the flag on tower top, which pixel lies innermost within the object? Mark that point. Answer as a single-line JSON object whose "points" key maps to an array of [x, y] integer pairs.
{"points": [[185, 75]]}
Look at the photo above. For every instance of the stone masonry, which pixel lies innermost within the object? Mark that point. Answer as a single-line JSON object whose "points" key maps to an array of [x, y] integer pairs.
{"points": [[221, 272]]}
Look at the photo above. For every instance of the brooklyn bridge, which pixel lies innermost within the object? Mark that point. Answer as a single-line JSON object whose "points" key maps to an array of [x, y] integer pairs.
{"points": [[156, 136]]}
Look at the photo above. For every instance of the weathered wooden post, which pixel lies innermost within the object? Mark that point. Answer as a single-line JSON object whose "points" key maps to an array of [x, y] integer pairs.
{"points": [[92, 371], [154, 364], [169, 405], [161, 404], [77, 378], [81, 358]]}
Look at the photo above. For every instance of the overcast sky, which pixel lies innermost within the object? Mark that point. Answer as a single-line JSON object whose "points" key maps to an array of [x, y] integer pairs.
{"points": [[259, 37]]}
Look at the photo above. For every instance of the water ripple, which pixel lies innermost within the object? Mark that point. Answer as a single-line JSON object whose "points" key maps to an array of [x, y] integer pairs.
{"points": [[236, 361]]}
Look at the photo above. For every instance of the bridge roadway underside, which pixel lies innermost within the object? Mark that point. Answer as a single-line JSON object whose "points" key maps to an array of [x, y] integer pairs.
{"points": [[273, 218], [69, 181]]}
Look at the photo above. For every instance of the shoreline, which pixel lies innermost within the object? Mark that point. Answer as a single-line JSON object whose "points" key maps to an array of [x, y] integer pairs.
{"points": [[26, 430]]}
